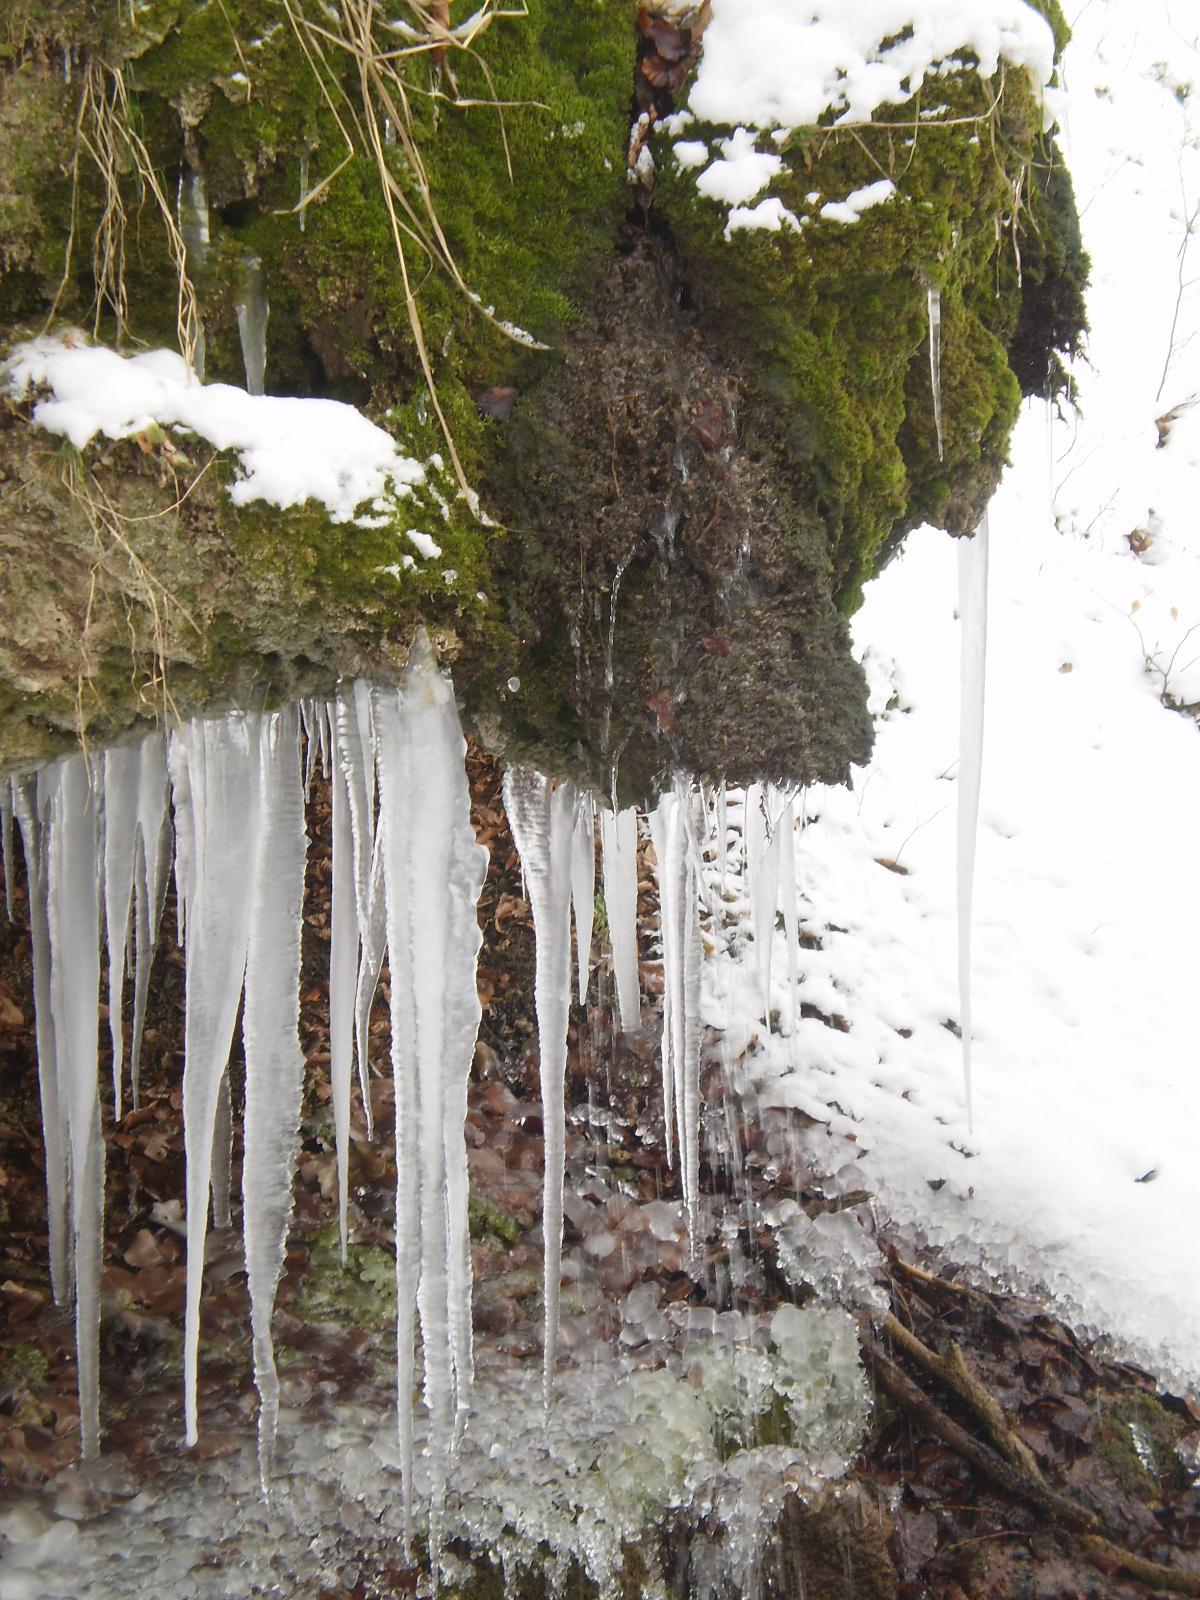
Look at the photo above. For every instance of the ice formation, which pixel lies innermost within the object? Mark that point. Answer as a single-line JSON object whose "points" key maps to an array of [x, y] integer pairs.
{"points": [[935, 360], [583, 887], [672, 830], [618, 839], [271, 1037], [972, 590], [252, 313], [434, 874], [542, 818]]}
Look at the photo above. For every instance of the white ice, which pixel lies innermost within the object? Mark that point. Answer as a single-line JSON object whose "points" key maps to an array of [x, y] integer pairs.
{"points": [[73, 902], [618, 840], [217, 798], [583, 888], [271, 1037], [542, 819], [31, 798], [435, 872]]}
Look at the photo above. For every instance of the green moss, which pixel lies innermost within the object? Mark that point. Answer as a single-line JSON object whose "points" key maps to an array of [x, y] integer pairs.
{"points": [[1158, 1427], [363, 1293]]}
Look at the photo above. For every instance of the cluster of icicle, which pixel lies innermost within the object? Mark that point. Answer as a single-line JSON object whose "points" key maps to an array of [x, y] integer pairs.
{"points": [[407, 879]]}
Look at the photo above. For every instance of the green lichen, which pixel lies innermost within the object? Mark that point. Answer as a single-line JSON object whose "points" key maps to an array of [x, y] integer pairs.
{"points": [[362, 1293]]}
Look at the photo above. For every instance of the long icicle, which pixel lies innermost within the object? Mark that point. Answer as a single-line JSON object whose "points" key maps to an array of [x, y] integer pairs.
{"points": [[6, 854], [663, 838], [688, 1082], [543, 823], [215, 779], [972, 605], [343, 973], [934, 301], [618, 840], [435, 875], [150, 882], [31, 798], [121, 768], [271, 1035], [583, 888], [74, 907]]}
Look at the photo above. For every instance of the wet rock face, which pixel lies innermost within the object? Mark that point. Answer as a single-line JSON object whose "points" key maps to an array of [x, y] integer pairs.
{"points": [[662, 575]]}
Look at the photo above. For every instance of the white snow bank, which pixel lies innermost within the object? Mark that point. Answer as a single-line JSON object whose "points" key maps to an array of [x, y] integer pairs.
{"points": [[783, 63], [290, 450]]}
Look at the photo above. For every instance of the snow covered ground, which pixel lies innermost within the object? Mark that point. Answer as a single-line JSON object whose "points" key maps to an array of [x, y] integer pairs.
{"points": [[1079, 1171]]}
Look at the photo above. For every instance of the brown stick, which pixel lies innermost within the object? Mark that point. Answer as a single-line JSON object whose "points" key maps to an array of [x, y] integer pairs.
{"points": [[1149, 1572], [906, 1393], [944, 1283], [953, 1371]]}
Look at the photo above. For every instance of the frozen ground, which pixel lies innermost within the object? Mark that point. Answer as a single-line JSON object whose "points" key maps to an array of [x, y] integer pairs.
{"points": [[1080, 1168]]}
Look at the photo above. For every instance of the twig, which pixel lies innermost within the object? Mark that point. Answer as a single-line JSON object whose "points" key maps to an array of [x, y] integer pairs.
{"points": [[1017, 1483], [953, 1371]]}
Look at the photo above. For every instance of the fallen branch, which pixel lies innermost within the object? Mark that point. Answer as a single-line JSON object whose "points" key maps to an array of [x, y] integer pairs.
{"points": [[953, 1371], [1017, 1482], [1148, 1572]]}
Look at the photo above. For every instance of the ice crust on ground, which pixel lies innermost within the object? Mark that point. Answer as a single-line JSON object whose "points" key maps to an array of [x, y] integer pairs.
{"points": [[290, 450]]}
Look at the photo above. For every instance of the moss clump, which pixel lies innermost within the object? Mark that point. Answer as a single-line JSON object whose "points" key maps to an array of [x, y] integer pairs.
{"points": [[1142, 1473], [362, 1293]]}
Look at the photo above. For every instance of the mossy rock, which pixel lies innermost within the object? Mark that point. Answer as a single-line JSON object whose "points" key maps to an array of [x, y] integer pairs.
{"points": [[785, 445]]}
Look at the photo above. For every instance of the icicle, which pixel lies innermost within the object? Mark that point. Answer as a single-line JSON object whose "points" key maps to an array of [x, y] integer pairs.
{"points": [[303, 190], [754, 833], [74, 911], [6, 819], [221, 1176], [309, 712], [271, 1035], [673, 832], [972, 605], [618, 839], [31, 797], [543, 823], [435, 872], [215, 778], [121, 771], [935, 360], [343, 971], [723, 833], [252, 310], [764, 901], [583, 888], [661, 819], [150, 881], [786, 829], [352, 739]]}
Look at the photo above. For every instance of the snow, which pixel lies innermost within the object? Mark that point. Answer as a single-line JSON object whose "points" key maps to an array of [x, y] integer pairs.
{"points": [[769, 214], [850, 210], [783, 63], [742, 172], [290, 450], [1077, 1174]]}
